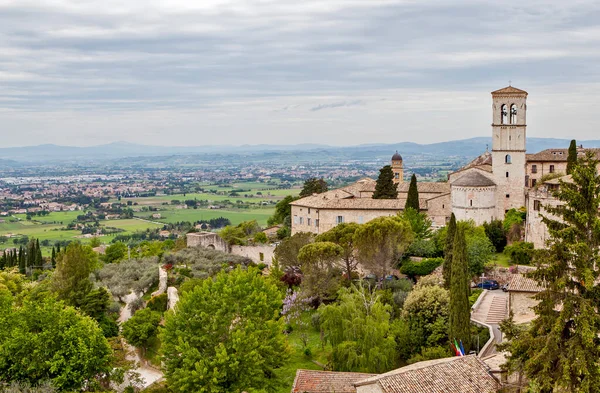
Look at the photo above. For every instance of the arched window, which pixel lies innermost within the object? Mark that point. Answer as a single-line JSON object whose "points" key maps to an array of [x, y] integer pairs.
{"points": [[503, 114], [508, 159], [513, 114]]}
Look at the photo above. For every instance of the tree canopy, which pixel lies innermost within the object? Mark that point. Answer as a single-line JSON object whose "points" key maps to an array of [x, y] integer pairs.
{"points": [[343, 235], [286, 252], [44, 340], [312, 186], [381, 242], [412, 199], [460, 310], [385, 188], [226, 336], [561, 348], [359, 330], [320, 275], [572, 157]]}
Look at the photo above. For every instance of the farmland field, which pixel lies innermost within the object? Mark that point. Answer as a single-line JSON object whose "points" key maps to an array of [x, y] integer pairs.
{"points": [[261, 215]]}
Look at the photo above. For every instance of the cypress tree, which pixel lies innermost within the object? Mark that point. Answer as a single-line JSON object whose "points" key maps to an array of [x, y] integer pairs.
{"points": [[39, 261], [460, 313], [53, 258], [559, 351], [385, 187], [57, 248], [412, 199], [3, 260], [22, 262], [572, 157], [450, 234]]}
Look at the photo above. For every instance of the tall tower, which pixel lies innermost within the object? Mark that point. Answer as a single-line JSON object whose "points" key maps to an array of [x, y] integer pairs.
{"points": [[508, 148], [397, 168]]}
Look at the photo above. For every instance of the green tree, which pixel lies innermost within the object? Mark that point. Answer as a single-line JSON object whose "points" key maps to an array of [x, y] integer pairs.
{"points": [[115, 252], [412, 199], [572, 157], [286, 252], [520, 253], [53, 257], [141, 328], [460, 311], [450, 234], [381, 242], [283, 211], [70, 280], [343, 236], [494, 230], [226, 336], [425, 312], [95, 242], [359, 330], [559, 352], [419, 222], [385, 187], [313, 186], [320, 276], [44, 340], [260, 238]]}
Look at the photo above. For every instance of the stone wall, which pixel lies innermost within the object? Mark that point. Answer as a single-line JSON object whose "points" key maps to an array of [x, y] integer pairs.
{"points": [[439, 210], [536, 231], [207, 240], [521, 304], [307, 219], [474, 203], [258, 254]]}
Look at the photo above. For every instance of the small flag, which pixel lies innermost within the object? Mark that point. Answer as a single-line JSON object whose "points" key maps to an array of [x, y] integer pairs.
{"points": [[462, 349], [456, 352], [460, 353]]}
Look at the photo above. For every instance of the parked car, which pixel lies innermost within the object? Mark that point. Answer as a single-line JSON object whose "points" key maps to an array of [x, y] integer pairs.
{"points": [[489, 284], [505, 288]]}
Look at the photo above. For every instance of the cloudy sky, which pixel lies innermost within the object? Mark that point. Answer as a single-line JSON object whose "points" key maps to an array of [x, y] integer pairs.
{"points": [[340, 72]]}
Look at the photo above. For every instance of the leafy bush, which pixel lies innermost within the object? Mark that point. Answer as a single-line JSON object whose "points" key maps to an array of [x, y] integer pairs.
{"points": [[474, 295], [158, 303], [430, 353], [423, 268], [315, 321], [520, 253], [496, 233], [423, 248]]}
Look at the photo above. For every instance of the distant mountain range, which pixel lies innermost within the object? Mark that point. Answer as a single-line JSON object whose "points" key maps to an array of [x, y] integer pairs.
{"points": [[459, 148]]}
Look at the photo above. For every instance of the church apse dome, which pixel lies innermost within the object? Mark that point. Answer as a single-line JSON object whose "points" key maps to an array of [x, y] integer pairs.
{"points": [[474, 197]]}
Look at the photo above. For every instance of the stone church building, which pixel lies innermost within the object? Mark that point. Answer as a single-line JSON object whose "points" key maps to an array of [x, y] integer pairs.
{"points": [[483, 190]]}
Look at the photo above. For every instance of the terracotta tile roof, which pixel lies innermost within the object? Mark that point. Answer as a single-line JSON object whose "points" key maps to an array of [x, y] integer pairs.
{"points": [[509, 90], [483, 162], [473, 179], [467, 374], [558, 155], [426, 187], [520, 283], [313, 381]]}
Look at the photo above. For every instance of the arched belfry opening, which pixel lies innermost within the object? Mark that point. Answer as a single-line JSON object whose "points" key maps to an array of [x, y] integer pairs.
{"points": [[513, 114], [503, 114]]}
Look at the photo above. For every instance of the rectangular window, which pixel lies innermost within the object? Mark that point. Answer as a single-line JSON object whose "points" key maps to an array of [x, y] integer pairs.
{"points": [[551, 168], [361, 220], [301, 220], [309, 210], [533, 182], [506, 174], [536, 205], [317, 222], [295, 219], [534, 169], [339, 219], [508, 195], [308, 221]]}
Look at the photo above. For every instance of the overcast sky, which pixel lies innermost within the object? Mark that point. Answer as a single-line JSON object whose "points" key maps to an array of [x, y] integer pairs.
{"points": [[340, 72]]}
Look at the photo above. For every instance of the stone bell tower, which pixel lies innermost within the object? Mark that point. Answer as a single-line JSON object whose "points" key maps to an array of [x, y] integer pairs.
{"points": [[508, 148], [397, 168]]}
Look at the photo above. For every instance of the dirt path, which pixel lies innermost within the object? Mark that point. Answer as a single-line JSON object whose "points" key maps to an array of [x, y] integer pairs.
{"points": [[148, 374]]}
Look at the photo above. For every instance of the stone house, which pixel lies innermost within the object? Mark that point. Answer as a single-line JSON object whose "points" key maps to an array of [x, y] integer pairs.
{"points": [[551, 161], [521, 293]]}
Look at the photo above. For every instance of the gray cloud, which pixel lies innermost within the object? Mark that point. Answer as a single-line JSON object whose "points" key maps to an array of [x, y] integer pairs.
{"points": [[212, 71]]}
